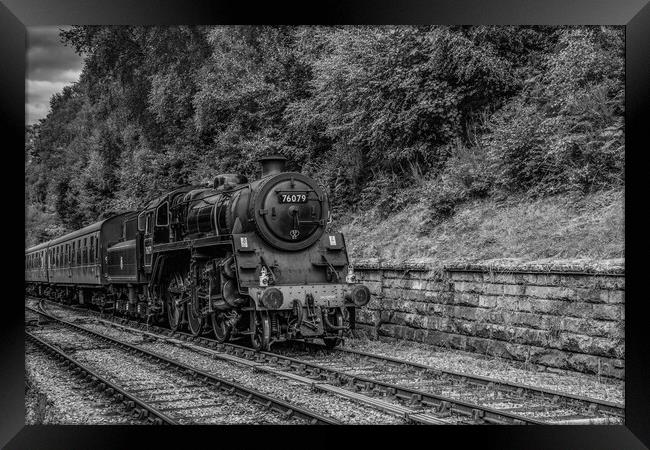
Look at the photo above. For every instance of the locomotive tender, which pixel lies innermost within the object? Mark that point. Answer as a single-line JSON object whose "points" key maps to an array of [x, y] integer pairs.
{"points": [[242, 258]]}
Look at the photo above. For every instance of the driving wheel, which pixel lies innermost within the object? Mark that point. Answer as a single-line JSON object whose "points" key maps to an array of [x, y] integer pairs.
{"points": [[175, 298], [194, 319], [220, 326]]}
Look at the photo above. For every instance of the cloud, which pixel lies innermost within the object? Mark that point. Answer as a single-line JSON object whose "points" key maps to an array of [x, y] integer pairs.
{"points": [[50, 67]]}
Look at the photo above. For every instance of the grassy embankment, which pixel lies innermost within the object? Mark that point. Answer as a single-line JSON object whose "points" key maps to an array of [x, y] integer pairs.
{"points": [[582, 229]]}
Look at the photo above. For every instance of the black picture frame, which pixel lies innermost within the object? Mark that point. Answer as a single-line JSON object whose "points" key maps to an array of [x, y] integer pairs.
{"points": [[15, 15]]}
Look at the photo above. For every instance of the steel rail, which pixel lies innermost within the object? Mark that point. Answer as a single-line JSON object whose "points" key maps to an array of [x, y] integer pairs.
{"points": [[227, 386], [509, 387], [557, 398], [444, 405], [407, 414], [145, 410]]}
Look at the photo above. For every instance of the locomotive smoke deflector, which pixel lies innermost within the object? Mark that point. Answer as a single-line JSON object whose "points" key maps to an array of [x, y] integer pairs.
{"points": [[272, 164]]}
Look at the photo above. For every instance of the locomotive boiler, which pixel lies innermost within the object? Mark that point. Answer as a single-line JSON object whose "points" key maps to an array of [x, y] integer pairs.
{"points": [[238, 258]]}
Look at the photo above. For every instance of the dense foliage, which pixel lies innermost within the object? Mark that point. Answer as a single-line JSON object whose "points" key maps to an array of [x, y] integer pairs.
{"points": [[383, 116]]}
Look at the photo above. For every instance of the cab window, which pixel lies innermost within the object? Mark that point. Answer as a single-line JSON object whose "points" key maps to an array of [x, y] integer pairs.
{"points": [[141, 221], [162, 215]]}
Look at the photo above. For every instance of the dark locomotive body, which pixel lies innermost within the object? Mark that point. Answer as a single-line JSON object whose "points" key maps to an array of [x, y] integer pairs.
{"points": [[241, 258]]}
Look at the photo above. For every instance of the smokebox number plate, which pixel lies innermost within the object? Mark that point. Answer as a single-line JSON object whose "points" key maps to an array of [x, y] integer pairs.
{"points": [[292, 197]]}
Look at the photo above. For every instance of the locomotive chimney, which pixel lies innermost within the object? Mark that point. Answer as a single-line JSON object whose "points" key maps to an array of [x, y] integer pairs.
{"points": [[272, 164]]}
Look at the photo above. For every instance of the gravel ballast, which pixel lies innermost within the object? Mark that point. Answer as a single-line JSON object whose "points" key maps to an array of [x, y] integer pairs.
{"points": [[508, 371], [54, 396], [123, 368], [299, 393]]}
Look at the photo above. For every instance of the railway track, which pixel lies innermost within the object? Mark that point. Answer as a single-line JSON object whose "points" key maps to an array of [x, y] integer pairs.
{"points": [[492, 401], [400, 413], [132, 404], [579, 409], [167, 390]]}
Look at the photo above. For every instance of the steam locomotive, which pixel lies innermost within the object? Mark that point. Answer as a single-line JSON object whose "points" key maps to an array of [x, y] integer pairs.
{"points": [[238, 258]]}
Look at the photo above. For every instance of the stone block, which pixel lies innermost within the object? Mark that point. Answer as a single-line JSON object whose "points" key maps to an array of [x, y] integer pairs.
{"points": [[503, 278], [493, 289], [550, 357], [593, 327], [513, 289], [437, 296], [487, 301], [419, 335], [466, 298], [549, 292], [477, 345], [612, 367], [614, 296], [385, 316], [411, 320], [466, 276], [507, 302], [606, 312]]}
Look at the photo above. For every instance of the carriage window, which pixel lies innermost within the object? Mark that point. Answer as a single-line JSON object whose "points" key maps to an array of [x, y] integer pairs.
{"points": [[147, 227], [97, 248], [92, 249], [85, 254]]}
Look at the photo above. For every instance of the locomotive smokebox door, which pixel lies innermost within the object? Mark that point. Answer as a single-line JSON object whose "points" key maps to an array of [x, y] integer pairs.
{"points": [[290, 211]]}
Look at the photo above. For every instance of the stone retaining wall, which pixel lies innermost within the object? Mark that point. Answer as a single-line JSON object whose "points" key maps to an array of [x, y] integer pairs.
{"points": [[544, 315]]}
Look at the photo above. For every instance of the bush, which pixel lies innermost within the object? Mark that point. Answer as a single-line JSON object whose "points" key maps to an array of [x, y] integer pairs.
{"points": [[564, 131]]}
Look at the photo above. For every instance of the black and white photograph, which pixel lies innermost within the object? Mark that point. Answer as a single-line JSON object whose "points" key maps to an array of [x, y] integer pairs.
{"points": [[415, 225]]}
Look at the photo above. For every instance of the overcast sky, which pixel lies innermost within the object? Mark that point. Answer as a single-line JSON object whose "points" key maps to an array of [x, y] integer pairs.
{"points": [[50, 67]]}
